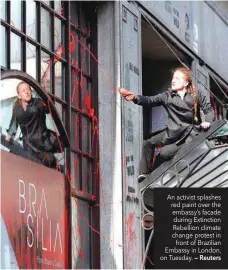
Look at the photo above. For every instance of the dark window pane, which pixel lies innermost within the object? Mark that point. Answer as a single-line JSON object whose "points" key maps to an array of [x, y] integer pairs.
{"points": [[45, 28], [31, 19], [16, 14], [84, 23], [31, 59], [86, 135], [86, 96], [86, 175], [3, 10], [81, 239], [75, 93], [74, 11], [75, 135], [15, 52], [45, 71], [74, 49], [85, 55], [3, 47]]}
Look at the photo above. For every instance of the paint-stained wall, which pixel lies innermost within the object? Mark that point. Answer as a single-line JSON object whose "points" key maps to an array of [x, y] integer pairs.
{"points": [[131, 134]]}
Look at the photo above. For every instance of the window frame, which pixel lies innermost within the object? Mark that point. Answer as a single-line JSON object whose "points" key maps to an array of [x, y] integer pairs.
{"points": [[65, 101]]}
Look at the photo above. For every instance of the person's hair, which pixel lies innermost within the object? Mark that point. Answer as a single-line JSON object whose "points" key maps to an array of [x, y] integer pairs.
{"points": [[190, 86], [18, 101]]}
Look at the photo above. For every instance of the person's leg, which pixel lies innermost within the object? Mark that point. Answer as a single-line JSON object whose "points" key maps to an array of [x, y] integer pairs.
{"points": [[148, 148], [52, 142]]}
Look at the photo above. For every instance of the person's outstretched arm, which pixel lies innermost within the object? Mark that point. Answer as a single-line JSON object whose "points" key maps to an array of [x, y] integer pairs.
{"points": [[152, 101]]}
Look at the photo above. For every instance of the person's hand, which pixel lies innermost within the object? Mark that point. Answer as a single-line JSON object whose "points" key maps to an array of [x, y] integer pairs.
{"points": [[129, 96], [8, 137], [205, 125]]}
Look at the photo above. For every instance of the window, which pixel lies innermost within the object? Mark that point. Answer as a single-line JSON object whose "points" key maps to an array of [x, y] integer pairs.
{"points": [[38, 43]]}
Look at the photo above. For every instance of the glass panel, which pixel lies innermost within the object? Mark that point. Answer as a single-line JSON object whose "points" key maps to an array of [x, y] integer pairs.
{"points": [[86, 97], [60, 110], [74, 10], [15, 52], [3, 10], [31, 59], [42, 145], [86, 135], [81, 235], [58, 6], [74, 49], [86, 175], [8, 97], [75, 170], [59, 38], [45, 71], [3, 47], [88, 59], [58, 80], [75, 93], [16, 13], [45, 28], [31, 18], [84, 54], [75, 135], [83, 24]]}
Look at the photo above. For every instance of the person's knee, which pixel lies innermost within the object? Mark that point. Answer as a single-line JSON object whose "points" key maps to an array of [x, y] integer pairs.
{"points": [[168, 151], [147, 144]]}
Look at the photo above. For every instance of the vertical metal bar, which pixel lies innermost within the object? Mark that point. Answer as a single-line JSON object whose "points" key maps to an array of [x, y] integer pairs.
{"points": [[38, 49], [68, 129], [23, 39], [80, 96], [95, 211], [52, 69], [8, 35]]}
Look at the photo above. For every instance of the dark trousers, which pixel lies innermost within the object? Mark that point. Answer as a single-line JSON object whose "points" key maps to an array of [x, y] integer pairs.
{"points": [[167, 152], [148, 148]]}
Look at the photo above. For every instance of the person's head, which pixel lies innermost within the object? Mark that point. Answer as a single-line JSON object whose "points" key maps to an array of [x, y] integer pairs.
{"points": [[24, 92], [181, 79]]}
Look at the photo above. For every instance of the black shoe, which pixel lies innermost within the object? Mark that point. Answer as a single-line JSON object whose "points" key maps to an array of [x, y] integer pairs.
{"points": [[141, 177]]}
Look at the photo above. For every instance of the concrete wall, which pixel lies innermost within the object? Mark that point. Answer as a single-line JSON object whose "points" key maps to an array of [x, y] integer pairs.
{"points": [[198, 26], [119, 50], [109, 142], [131, 55]]}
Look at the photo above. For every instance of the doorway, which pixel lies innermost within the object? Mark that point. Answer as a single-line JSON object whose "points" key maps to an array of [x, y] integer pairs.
{"points": [[158, 61]]}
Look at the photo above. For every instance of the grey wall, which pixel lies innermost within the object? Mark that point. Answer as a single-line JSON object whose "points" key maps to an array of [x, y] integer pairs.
{"points": [[110, 150], [131, 134], [206, 34]]}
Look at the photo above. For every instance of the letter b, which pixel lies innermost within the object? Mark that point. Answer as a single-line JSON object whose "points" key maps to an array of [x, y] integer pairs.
{"points": [[22, 196]]}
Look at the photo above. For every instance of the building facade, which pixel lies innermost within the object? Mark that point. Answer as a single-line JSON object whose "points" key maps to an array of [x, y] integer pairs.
{"points": [[80, 53]]}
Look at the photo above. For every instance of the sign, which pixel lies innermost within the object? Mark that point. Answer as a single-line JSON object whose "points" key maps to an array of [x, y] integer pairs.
{"points": [[33, 209]]}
